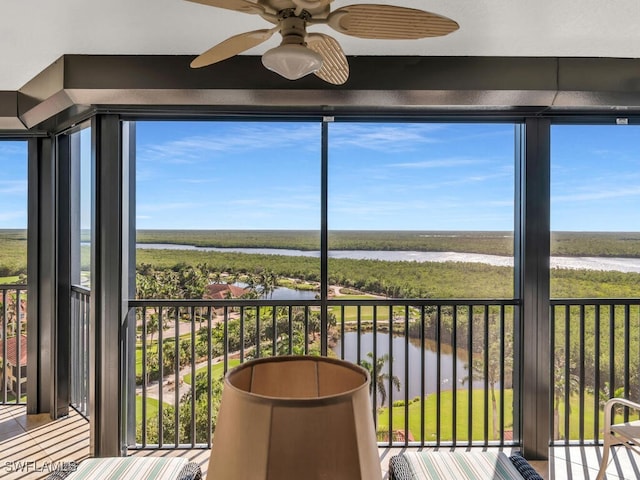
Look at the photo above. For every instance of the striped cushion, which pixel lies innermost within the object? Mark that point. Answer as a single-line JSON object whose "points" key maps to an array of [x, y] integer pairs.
{"points": [[461, 465], [148, 468]]}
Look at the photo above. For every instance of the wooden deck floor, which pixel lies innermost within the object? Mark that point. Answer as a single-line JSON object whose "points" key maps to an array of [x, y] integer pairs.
{"points": [[31, 446]]}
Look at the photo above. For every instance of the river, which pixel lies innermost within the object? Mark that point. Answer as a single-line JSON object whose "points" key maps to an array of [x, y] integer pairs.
{"points": [[627, 265]]}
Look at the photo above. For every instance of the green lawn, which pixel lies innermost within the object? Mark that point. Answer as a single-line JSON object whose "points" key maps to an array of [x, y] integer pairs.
{"points": [[150, 346], [152, 408], [446, 412], [11, 398], [153, 404], [446, 425], [366, 312], [574, 417], [12, 280], [363, 296], [217, 370]]}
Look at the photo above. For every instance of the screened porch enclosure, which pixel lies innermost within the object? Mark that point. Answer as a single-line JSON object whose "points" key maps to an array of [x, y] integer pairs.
{"points": [[520, 364]]}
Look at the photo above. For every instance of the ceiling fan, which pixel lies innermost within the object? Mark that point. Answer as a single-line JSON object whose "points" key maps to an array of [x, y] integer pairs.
{"points": [[301, 53]]}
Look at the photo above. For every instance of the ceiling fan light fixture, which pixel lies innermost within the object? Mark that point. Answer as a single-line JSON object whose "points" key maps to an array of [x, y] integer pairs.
{"points": [[292, 61]]}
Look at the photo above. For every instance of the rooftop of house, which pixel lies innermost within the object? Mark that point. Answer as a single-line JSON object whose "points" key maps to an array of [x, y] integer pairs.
{"points": [[219, 291], [12, 350]]}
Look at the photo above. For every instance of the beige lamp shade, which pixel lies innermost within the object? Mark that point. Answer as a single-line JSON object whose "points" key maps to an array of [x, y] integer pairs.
{"points": [[295, 417]]}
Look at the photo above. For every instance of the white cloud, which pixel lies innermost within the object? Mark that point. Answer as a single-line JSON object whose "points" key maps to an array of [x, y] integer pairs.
{"points": [[439, 163], [388, 137], [161, 207], [496, 203], [597, 194], [241, 137], [281, 204], [11, 149], [507, 132], [196, 181], [6, 216], [13, 187]]}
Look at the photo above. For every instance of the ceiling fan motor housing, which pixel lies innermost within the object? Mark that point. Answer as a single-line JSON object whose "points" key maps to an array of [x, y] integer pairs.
{"points": [[316, 8], [293, 30]]}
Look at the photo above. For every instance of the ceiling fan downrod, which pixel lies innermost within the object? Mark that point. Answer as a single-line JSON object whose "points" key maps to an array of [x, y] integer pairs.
{"points": [[293, 27], [292, 59]]}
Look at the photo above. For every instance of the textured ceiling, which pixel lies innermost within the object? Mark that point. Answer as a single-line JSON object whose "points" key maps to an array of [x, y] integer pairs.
{"points": [[34, 33]]}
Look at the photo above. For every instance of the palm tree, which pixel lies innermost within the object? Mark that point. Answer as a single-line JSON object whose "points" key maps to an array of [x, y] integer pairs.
{"points": [[561, 384], [273, 282], [251, 282], [606, 394], [152, 327], [496, 363], [268, 281], [379, 377]]}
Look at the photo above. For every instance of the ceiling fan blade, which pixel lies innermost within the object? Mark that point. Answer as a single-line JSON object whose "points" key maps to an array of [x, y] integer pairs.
{"points": [[233, 46], [245, 6], [335, 68], [389, 22]]}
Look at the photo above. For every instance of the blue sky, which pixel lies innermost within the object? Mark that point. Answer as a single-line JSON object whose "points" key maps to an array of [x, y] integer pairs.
{"points": [[13, 184], [258, 175], [381, 176], [595, 178]]}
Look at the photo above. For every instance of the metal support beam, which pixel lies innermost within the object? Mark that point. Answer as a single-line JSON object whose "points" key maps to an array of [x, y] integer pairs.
{"points": [[75, 206], [324, 239], [533, 283], [41, 273], [69, 88], [109, 254], [66, 151], [129, 270]]}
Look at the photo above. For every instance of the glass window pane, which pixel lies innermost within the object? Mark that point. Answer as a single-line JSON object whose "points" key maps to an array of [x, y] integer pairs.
{"points": [[595, 254], [595, 211], [86, 194], [422, 210], [13, 269], [236, 203], [13, 212]]}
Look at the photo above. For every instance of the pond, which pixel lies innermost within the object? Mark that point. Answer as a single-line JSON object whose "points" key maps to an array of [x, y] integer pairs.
{"points": [[284, 293], [447, 380]]}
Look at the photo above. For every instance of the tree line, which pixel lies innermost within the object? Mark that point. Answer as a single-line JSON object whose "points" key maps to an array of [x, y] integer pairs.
{"points": [[598, 244], [399, 279]]}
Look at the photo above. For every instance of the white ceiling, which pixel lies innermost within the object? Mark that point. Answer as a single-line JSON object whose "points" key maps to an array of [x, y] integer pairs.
{"points": [[34, 33]]}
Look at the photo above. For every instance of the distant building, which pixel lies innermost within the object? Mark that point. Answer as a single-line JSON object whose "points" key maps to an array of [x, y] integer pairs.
{"points": [[220, 291], [13, 363]]}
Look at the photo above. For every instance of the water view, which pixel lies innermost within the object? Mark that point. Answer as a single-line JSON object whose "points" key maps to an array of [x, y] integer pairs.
{"points": [[415, 354], [618, 264], [284, 293]]}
